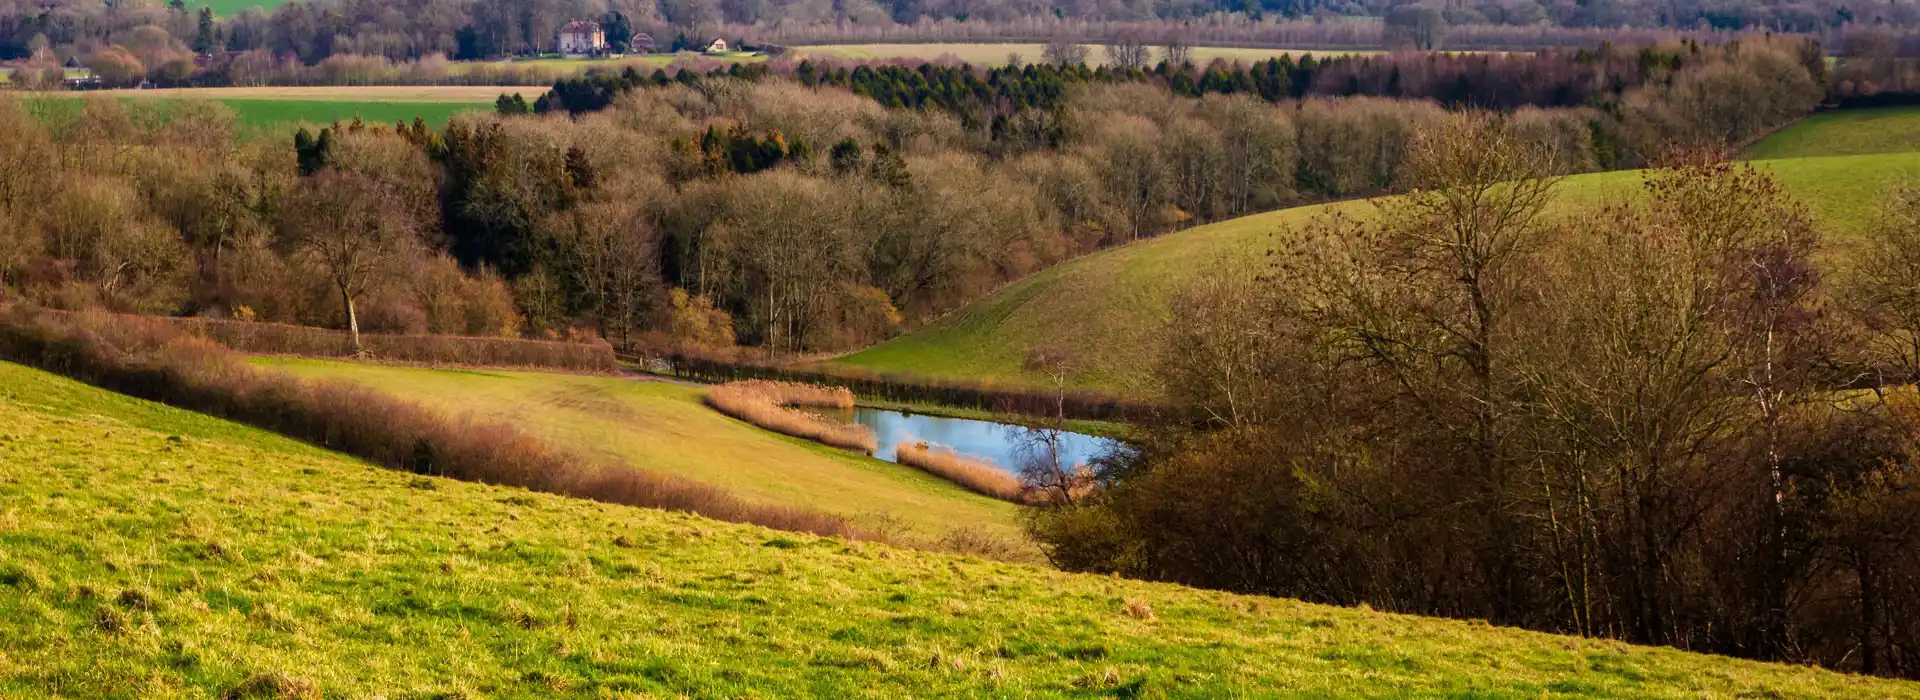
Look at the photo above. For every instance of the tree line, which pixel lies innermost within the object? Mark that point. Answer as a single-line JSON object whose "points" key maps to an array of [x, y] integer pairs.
{"points": [[411, 29], [722, 209], [1673, 419]]}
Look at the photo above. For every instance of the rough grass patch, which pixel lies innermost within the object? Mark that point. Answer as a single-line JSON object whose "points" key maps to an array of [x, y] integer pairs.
{"points": [[275, 685]]}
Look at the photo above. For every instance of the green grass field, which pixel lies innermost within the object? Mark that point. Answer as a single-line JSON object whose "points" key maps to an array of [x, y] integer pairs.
{"points": [[147, 552], [264, 116], [1107, 308], [1846, 132], [664, 427]]}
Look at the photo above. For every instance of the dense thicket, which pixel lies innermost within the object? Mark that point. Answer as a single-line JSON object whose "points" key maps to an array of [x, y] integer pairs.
{"points": [[1629, 422], [716, 208]]}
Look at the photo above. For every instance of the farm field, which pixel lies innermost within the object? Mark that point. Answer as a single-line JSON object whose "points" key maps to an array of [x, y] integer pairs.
{"points": [[1106, 308], [364, 94], [156, 553], [270, 111], [1845, 132], [996, 54], [664, 427]]}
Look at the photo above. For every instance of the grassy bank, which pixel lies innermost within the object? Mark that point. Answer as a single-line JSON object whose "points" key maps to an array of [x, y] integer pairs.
{"points": [[1106, 308], [154, 553], [664, 427]]}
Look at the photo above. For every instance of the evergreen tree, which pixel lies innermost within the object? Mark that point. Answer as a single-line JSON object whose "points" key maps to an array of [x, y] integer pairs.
{"points": [[203, 42]]}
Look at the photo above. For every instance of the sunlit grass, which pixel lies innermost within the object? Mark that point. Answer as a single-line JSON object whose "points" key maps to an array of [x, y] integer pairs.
{"points": [[1845, 132], [664, 427], [147, 552]]}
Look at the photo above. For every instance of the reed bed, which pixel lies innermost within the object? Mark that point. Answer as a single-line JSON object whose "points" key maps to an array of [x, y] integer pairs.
{"points": [[163, 362], [772, 405], [976, 475]]}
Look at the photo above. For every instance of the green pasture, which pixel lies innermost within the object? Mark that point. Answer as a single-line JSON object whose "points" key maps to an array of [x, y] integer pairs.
{"points": [[152, 553]]}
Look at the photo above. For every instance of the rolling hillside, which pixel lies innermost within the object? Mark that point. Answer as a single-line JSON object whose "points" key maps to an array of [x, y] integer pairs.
{"points": [[147, 552], [1106, 308], [663, 427], [1848, 132]]}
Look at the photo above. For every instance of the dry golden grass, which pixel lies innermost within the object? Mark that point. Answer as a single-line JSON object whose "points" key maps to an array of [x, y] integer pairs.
{"points": [[361, 93], [980, 477], [771, 405]]}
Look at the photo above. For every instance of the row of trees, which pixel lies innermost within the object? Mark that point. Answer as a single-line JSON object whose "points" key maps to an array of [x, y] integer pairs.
{"points": [[1641, 420], [411, 29]]}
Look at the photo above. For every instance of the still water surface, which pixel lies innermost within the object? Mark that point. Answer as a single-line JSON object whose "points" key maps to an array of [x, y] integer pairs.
{"points": [[1005, 445]]}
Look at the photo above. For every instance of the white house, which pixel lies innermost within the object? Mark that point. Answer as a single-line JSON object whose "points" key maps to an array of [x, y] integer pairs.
{"points": [[718, 46], [581, 37]]}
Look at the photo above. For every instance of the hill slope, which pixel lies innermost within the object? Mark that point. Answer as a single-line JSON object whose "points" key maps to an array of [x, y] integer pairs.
{"points": [[1106, 308], [154, 553], [1845, 132], [664, 427]]}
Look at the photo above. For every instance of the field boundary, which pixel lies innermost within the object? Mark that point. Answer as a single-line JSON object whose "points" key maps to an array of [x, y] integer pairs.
{"points": [[257, 338]]}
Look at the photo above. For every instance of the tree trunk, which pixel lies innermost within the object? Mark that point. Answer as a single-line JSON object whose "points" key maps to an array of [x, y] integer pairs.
{"points": [[353, 320]]}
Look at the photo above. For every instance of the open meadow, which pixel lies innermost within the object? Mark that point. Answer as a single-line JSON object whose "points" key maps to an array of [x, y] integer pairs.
{"points": [[1105, 308], [155, 553], [663, 427], [271, 112]]}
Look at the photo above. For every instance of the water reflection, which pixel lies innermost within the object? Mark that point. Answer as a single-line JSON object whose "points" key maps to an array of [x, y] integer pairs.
{"points": [[1004, 445]]}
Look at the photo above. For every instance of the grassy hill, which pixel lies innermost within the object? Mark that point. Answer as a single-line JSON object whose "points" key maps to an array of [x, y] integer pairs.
{"points": [[1107, 307], [1847, 132], [147, 552], [663, 427]]}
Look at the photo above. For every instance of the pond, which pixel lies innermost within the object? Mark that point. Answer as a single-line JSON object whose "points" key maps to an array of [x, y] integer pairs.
{"points": [[1005, 445]]}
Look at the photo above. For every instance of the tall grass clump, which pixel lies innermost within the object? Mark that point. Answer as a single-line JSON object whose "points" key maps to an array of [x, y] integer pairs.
{"points": [[976, 475], [772, 405], [161, 362]]}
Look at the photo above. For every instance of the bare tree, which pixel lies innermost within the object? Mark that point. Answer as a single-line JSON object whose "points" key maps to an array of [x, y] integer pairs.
{"points": [[352, 226], [1884, 290], [1127, 51], [1176, 53], [1063, 50], [1421, 27]]}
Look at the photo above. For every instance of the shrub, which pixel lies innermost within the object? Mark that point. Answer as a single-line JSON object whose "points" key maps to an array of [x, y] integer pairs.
{"points": [[162, 362]]}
